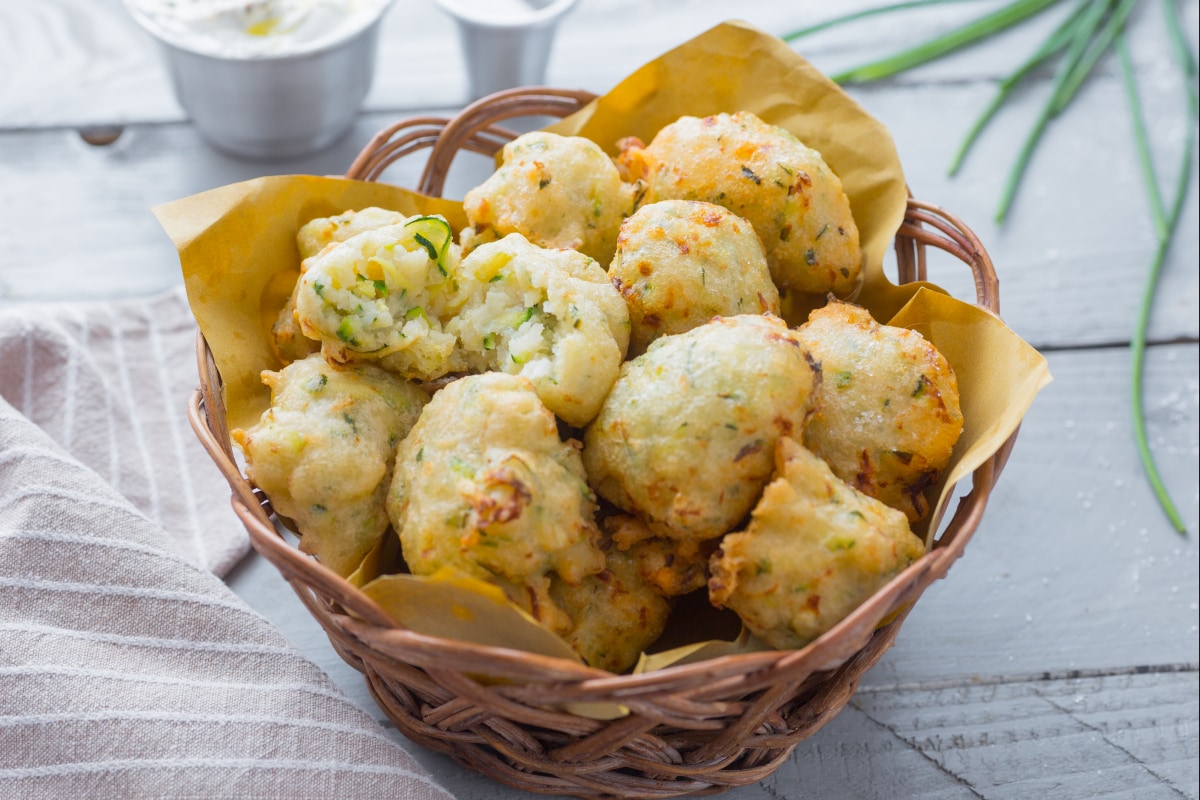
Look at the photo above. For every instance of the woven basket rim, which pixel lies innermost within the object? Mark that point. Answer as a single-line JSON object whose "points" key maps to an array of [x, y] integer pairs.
{"points": [[399, 662]]}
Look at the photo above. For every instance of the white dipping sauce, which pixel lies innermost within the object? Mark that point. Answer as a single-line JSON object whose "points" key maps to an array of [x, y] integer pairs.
{"points": [[255, 28]]}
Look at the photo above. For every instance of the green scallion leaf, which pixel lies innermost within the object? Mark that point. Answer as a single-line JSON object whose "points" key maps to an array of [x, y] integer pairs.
{"points": [[1164, 224], [960, 37]]}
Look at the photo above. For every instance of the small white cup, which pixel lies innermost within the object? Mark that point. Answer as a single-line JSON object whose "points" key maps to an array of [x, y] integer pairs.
{"points": [[505, 43]]}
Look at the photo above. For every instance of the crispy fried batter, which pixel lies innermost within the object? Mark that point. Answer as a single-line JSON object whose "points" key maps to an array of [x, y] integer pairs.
{"points": [[765, 174], [557, 191], [679, 263], [484, 485], [323, 452], [887, 414], [815, 550], [382, 295], [549, 315], [615, 614], [288, 340], [685, 437]]}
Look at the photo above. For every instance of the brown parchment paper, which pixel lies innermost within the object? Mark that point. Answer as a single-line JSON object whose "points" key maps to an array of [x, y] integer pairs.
{"points": [[238, 254]]}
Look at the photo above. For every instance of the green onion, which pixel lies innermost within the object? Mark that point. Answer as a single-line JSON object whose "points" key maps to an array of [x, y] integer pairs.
{"points": [[1164, 226], [1085, 35], [869, 12], [939, 46], [1079, 39], [345, 331], [1052, 46]]}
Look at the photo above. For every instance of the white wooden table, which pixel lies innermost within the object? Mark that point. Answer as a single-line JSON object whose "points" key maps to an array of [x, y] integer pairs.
{"points": [[1059, 659]]}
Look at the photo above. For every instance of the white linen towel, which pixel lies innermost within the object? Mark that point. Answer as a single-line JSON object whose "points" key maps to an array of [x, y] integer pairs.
{"points": [[109, 382], [127, 669]]}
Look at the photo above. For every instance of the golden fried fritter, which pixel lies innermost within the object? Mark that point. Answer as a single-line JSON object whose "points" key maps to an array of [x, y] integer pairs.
{"points": [[323, 452], [557, 191], [551, 316], [685, 437], [886, 416], [765, 174], [317, 234], [484, 485], [679, 263], [615, 614], [288, 341], [382, 296], [815, 550], [673, 567]]}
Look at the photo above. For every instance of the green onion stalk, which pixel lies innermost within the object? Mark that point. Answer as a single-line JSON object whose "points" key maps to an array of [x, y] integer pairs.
{"points": [[1090, 30]]}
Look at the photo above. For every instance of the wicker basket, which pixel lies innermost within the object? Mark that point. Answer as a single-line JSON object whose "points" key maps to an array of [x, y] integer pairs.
{"points": [[691, 729]]}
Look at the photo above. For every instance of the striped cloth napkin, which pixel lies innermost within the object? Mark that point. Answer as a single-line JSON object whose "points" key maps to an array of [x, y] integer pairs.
{"points": [[109, 382], [127, 668]]}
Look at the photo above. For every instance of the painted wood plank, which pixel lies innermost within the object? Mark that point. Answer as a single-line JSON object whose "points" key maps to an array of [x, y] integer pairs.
{"points": [[1120, 734], [81, 62], [1103, 736]]}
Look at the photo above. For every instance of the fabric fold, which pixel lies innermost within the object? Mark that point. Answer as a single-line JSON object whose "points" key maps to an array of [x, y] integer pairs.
{"points": [[127, 669], [109, 383]]}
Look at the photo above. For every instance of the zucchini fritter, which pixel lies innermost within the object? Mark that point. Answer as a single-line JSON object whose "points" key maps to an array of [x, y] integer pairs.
{"points": [[557, 191], [323, 452], [615, 614], [679, 263], [317, 234], [484, 485], [382, 294], [886, 416], [289, 342], [685, 437], [551, 316], [763, 173], [814, 551]]}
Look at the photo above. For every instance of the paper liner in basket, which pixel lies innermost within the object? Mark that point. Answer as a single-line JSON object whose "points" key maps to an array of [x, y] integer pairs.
{"points": [[238, 252]]}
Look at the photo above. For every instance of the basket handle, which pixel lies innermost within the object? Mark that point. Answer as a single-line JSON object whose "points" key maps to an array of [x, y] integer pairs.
{"points": [[952, 235], [480, 117], [474, 129]]}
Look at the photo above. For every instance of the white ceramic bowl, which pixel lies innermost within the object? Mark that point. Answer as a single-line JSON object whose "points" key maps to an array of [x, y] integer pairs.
{"points": [[272, 105]]}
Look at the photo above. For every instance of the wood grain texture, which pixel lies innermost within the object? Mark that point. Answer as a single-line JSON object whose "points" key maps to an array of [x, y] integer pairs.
{"points": [[106, 70], [1059, 658]]}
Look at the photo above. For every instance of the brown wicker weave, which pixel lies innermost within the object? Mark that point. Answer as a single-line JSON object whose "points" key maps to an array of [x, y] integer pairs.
{"points": [[691, 729]]}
